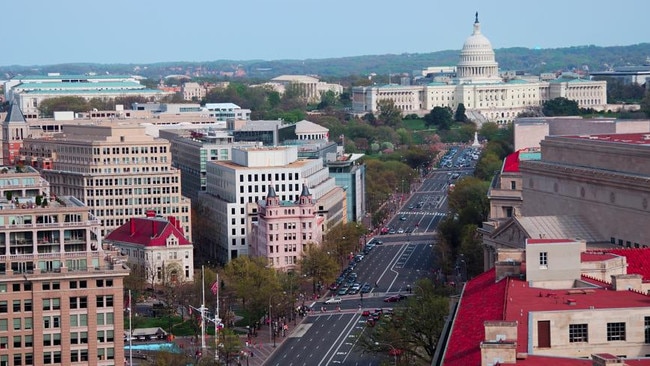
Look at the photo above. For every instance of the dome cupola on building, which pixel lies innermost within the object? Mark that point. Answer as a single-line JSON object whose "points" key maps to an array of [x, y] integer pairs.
{"points": [[477, 61]]}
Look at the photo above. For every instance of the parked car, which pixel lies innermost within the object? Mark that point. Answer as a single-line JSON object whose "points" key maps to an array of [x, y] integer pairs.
{"points": [[358, 258], [333, 300], [395, 298], [366, 288], [343, 291], [334, 286]]}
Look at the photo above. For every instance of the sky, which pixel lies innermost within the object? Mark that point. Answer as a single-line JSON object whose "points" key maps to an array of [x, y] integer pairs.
{"points": [[46, 32]]}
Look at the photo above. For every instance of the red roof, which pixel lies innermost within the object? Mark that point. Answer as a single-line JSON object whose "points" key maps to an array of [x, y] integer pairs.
{"points": [[596, 256], [148, 232], [524, 299], [511, 164], [625, 138], [638, 260], [482, 299]]}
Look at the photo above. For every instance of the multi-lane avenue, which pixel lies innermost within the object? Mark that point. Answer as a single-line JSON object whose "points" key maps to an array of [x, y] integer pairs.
{"points": [[329, 335]]}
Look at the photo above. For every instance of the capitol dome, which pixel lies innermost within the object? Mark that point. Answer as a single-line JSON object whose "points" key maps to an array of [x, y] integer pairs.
{"points": [[477, 61]]}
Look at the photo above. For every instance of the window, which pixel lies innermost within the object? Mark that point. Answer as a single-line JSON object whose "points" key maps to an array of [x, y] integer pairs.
{"points": [[29, 341], [18, 341], [105, 301], [3, 306], [647, 329], [27, 305], [16, 306], [578, 333], [17, 323], [78, 302], [4, 323], [543, 260], [29, 358], [615, 331], [513, 185]]}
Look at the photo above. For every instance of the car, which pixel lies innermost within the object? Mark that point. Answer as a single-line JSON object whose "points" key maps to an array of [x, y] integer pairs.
{"points": [[366, 288], [395, 298], [333, 300], [343, 291], [358, 257], [400, 231], [379, 242], [353, 290], [403, 218], [365, 313], [411, 207], [391, 231], [334, 287], [353, 276]]}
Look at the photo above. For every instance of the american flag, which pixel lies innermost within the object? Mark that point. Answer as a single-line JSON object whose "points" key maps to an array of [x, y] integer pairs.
{"points": [[214, 288]]}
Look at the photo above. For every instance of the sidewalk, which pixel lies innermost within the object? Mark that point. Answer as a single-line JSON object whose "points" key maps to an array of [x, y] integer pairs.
{"points": [[262, 347]]}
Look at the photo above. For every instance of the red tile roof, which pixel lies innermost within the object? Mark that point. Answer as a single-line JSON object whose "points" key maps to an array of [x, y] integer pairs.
{"points": [[148, 232], [638, 260], [482, 299]]}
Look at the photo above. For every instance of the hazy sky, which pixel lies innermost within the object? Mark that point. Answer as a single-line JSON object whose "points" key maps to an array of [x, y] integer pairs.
{"points": [[43, 32]]}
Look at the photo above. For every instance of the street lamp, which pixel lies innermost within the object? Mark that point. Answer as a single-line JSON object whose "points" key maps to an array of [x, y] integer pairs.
{"points": [[393, 349], [271, 328]]}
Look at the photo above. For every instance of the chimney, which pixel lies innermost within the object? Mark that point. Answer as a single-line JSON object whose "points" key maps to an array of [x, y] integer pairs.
{"points": [[132, 221], [154, 227]]}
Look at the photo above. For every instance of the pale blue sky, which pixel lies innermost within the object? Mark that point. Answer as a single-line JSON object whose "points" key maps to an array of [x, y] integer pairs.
{"points": [[44, 32]]}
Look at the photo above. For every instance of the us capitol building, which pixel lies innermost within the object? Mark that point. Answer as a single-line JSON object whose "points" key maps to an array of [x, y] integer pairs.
{"points": [[476, 82]]}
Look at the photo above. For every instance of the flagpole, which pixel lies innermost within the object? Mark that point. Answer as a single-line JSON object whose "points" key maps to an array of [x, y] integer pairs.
{"points": [[216, 325], [130, 331], [203, 310]]}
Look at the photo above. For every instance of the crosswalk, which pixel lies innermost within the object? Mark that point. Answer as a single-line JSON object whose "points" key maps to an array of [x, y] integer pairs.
{"points": [[424, 213]]}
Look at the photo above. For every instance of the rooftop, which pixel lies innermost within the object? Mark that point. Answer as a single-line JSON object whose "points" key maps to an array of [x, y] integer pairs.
{"points": [[480, 302], [511, 162], [622, 138]]}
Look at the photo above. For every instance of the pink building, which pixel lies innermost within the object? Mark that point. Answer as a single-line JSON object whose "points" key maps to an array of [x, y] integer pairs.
{"points": [[285, 228]]}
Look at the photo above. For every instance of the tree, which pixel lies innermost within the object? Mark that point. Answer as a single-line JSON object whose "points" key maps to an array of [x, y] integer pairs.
{"points": [[319, 265], [439, 117], [414, 329], [560, 107], [328, 100], [645, 105], [69, 103], [245, 273], [389, 113], [460, 116]]}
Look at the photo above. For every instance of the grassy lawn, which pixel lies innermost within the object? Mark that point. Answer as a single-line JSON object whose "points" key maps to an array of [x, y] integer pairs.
{"points": [[414, 124]]}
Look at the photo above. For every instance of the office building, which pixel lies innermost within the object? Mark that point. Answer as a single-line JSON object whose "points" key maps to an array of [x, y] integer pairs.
{"points": [[117, 170], [285, 230], [62, 293], [30, 91], [234, 188], [553, 302]]}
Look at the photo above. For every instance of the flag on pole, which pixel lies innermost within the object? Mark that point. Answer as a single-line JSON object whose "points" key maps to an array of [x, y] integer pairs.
{"points": [[214, 288], [190, 310]]}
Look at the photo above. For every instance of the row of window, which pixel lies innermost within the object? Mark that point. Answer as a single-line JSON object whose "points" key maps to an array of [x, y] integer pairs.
{"points": [[268, 177], [615, 332], [118, 150]]}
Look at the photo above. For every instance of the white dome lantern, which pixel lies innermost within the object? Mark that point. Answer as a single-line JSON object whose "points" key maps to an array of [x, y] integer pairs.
{"points": [[477, 63]]}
